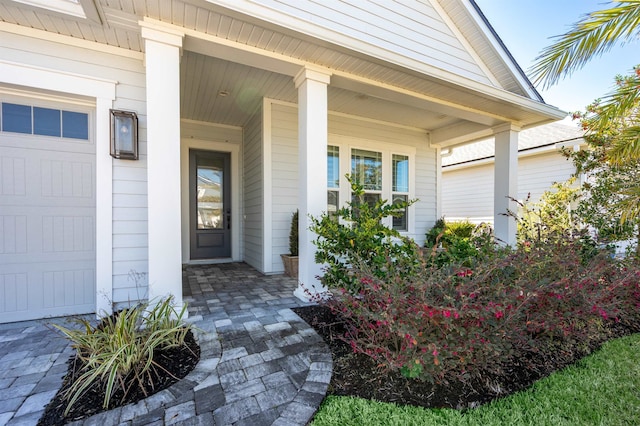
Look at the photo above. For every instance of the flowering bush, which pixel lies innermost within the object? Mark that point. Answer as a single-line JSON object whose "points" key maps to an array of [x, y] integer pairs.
{"points": [[455, 323]]}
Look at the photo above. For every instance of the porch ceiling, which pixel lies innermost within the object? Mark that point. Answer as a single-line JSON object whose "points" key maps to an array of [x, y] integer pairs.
{"points": [[225, 92]]}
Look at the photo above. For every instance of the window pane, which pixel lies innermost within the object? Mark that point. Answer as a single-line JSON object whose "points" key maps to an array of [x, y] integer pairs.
{"points": [[209, 197], [75, 125], [333, 167], [333, 202], [400, 173], [16, 118], [366, 168], [46, 121], [400, 222]]}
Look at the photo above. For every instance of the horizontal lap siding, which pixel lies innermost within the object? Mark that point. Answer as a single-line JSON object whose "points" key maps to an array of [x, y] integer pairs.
{"points": [[537, 174], [414, 30], [468, 192], [129, 177], [253, 192], [285, 169], [284, 179]]}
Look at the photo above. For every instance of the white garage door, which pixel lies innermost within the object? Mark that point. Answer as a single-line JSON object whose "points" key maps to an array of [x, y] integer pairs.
{"points": [[47, 210]]}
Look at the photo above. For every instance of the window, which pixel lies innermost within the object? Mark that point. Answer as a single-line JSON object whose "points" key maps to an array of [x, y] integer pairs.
{"points": [[385, 172], [333, 179], [44, 121], [400, 188]]}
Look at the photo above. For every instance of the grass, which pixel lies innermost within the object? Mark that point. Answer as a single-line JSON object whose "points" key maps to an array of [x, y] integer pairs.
{"points": [[601, 389]]}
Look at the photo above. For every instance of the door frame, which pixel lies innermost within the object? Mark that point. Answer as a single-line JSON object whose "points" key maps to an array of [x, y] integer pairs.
{"points": [[236, 196]]}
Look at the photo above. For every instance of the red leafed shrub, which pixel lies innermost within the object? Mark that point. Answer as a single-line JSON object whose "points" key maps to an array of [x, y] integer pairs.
{"points": [[455, 323]]}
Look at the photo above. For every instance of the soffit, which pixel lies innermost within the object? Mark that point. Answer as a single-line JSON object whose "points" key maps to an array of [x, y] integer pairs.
{"points": [[120, 28]]}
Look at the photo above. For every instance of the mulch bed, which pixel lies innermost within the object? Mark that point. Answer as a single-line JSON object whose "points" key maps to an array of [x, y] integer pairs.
{"points": [[177, 361], [355, 374]]}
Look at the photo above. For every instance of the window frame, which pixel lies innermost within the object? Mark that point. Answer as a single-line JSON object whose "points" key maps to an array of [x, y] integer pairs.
{"points": [[346, 144]]}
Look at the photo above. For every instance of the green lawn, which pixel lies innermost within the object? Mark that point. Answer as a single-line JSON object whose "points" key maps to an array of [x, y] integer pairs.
{"points": [[602, 389]]}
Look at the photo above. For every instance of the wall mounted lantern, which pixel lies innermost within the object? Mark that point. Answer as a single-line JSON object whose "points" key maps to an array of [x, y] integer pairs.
{"points": [[124, 135]]}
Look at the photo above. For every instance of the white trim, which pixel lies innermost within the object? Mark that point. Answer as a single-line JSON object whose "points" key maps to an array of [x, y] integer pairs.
{"points": [[438, 184], [104, 93], [70, 41], [219, 47], [236, 191], [354, 117], [463, 40], [267, 190], [304, 26], [347, 143], [509, 62]]}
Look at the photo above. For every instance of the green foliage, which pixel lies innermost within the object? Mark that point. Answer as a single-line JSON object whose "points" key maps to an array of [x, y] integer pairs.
{"points": [[607, 193], [118, 353], [356, 234], [293, 235], [572, 396], [593, 35], [458, 242], [551, 218]]}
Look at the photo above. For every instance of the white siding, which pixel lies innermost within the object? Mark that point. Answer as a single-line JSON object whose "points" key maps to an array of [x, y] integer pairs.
{"points": [[253, 192], [468, 192], [285, 169], [129, 177], [284, 179], [398, 31]]}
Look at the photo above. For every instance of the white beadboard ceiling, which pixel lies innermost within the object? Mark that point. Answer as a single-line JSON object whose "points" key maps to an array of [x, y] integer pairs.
{"points": [[203, 77]]}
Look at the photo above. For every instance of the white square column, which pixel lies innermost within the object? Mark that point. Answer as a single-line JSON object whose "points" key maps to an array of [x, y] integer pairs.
{"points": [[162, 59], [312, 150], [505, 183]]}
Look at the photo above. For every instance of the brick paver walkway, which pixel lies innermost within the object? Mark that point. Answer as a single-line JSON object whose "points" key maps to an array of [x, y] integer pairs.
{"points": [[260, 363]]}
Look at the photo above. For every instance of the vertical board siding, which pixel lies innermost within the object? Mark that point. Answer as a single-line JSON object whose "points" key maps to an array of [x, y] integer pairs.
{"points": [[129, 177], [468, 192], [285, 169], [253, 202]]}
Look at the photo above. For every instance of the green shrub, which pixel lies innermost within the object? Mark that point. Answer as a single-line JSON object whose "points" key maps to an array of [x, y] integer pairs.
{"points": [[356, 233], [293, 235], [118, 352], [458, 243]]}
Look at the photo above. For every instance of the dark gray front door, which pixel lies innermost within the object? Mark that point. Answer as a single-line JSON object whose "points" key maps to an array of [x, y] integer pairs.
{"points": [[210, 204]]}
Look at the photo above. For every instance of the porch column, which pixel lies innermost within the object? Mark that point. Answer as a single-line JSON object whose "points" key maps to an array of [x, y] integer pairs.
{"points": [[162, 59], [312, 151], [505, 183]]}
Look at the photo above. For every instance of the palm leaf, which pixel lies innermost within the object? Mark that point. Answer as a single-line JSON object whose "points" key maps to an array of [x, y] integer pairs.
{"points": [[593, 35]]}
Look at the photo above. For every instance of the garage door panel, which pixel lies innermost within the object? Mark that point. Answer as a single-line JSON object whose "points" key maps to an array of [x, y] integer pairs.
{"points": [[48, 291], [47, 226]]}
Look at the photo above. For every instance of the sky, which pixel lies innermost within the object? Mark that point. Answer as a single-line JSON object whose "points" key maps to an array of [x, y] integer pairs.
{"points": [[526, 27]]}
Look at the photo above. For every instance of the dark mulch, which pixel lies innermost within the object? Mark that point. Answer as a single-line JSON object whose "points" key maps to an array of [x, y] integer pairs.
{"points": [[173, 365], [358, 375]]}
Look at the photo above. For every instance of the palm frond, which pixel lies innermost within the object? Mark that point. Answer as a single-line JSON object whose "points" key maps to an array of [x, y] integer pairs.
{"points": [[593, 35]]}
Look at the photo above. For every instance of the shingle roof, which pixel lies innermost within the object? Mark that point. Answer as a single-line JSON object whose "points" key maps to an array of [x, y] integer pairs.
{"points": [[531, 138]]}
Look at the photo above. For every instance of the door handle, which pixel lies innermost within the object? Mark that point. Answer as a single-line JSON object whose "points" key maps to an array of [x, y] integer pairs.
{"points": [[228, 219]]}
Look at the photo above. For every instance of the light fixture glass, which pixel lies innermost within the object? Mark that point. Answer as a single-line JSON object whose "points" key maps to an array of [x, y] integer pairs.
{"points": [[124, 135]]}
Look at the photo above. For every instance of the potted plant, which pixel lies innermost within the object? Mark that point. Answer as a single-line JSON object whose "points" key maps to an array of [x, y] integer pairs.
{"points": [[290, 260]]}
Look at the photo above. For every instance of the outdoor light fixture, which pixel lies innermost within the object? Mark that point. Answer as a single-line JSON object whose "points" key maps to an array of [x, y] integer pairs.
{"points": [[124, 135]]}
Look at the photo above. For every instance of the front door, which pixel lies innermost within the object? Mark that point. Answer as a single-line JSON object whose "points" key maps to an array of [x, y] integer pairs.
{"points": [[210, 204]]}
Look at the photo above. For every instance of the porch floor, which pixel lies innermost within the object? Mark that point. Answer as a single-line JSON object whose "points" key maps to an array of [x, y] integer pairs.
{"points": [[260, 363]]}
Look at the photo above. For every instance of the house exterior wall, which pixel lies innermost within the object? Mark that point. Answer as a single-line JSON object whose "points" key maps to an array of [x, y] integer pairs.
{"points": [[344, 131], [379, 29], [468, 192], [129, 208], [253, 192]]}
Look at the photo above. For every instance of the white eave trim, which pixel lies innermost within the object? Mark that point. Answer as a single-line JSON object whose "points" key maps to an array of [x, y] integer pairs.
{"points": [[308, 28]]}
